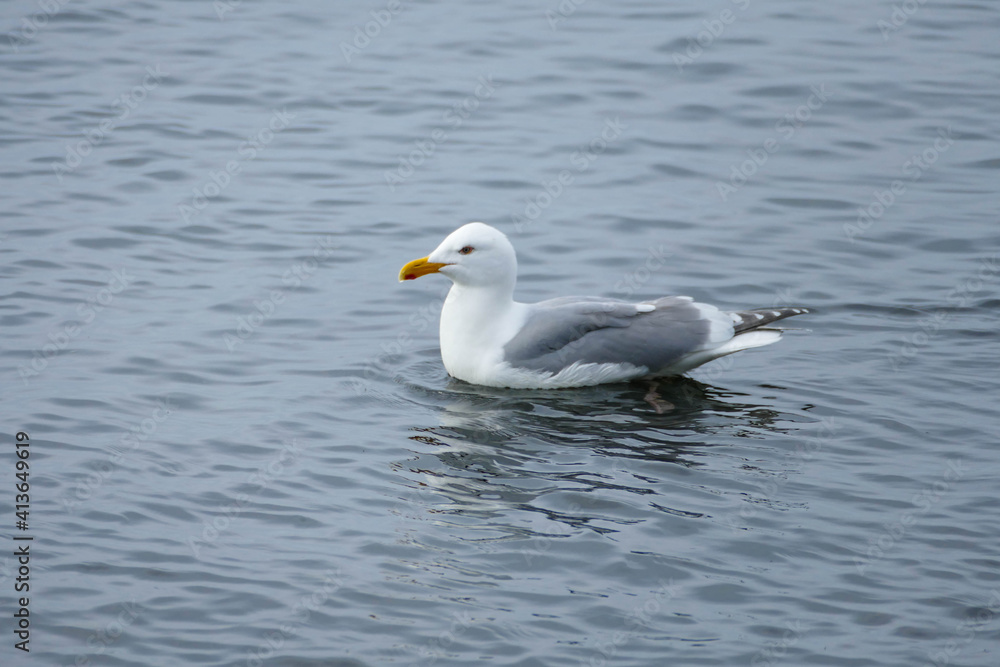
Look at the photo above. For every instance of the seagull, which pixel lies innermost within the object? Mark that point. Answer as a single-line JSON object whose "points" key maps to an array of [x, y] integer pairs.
{"points": [[489, 339]]}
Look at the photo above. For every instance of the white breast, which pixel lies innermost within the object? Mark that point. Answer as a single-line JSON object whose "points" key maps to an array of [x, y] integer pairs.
{"points": [[473, 333]]}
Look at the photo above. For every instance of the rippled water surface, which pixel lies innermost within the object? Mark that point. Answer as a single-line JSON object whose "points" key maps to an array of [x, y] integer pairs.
{"points": [[245, 449]]}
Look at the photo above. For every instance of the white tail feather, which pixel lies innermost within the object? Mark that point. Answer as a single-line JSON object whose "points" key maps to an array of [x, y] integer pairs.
{"points": [[744, 341]]}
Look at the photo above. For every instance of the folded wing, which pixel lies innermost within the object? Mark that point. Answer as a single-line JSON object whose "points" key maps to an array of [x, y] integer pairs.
{"points": [[654, 335]]}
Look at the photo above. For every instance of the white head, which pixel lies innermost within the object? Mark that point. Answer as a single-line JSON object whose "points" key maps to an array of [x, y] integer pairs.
{"points": [[474, 255]]}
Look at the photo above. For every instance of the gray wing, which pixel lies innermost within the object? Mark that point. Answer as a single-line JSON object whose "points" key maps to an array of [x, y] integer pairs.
{"points": [[563, 331]]}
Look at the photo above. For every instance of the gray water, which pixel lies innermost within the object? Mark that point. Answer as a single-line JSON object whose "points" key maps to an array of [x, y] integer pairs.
{"points": [[244, 449]]}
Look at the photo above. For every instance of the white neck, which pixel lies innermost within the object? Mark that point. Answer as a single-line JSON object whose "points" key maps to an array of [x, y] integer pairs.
{"points": [[475, 319]]}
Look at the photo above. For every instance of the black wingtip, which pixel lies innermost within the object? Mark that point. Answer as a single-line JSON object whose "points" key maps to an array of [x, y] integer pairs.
{"points": [[760, 317]]}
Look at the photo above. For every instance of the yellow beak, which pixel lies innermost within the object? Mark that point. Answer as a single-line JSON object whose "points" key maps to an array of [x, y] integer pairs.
{"points": [[417, 268]]}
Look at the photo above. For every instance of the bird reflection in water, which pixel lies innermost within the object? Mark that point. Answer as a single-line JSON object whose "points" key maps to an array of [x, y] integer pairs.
{"points": [[500, 449]]}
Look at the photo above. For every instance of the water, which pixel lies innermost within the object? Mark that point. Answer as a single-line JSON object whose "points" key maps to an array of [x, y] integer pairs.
{"points": [[245, 450]]}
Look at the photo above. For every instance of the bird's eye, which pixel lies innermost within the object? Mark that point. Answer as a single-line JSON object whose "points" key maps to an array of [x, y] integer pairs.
{"points": [[466, 250]]}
